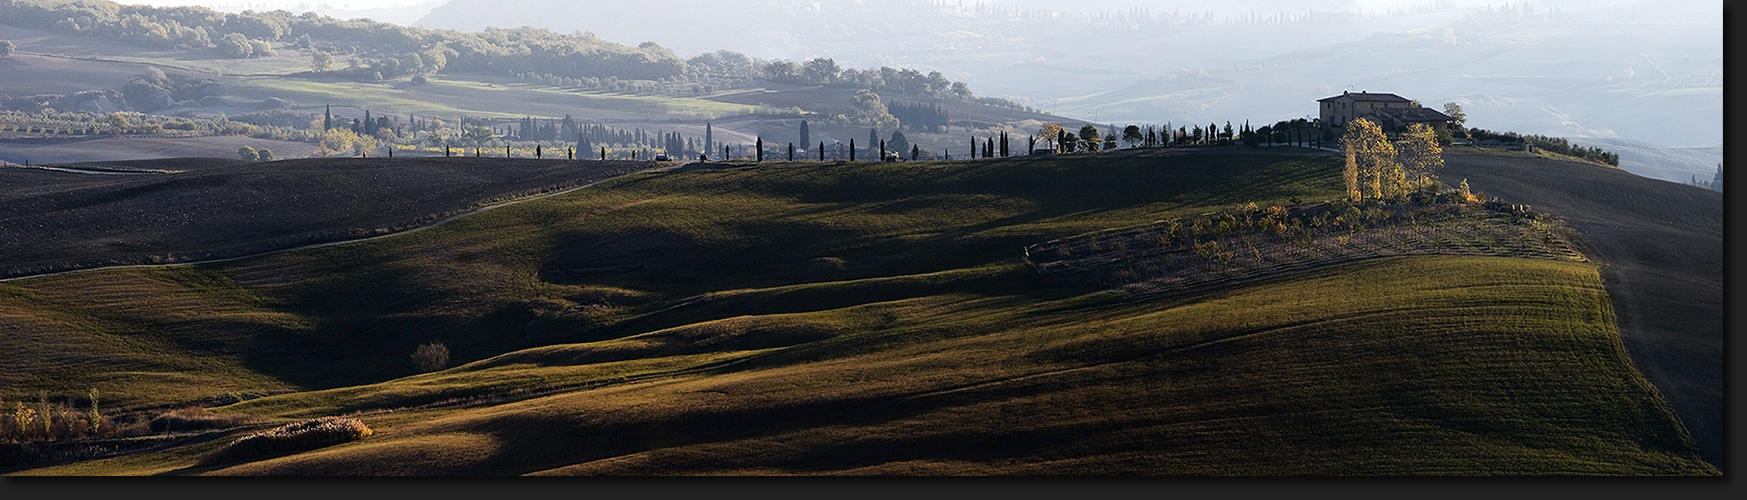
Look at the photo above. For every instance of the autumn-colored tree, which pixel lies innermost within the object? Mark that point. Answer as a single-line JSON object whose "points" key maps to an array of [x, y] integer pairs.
{"points": [[96, 418], [1351, 174], [1373, 156], [1420, 154], [1049, 132]]}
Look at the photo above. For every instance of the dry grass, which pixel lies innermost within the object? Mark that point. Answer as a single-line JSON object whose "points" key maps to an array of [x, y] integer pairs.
{"points": [[290, 438]]}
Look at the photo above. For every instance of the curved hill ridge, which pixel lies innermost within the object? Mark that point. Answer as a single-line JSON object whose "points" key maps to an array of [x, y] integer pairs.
{"points": [[181, 210]]}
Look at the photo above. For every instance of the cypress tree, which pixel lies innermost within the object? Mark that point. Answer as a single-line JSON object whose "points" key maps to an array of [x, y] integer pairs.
{"points": [[805, 136], [791, 151], [852, 150], [914, 151], [327, 121], [821, 150], [760, 150]]}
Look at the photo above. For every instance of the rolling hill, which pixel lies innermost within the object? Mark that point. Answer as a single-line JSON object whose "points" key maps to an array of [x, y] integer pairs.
{"points": [[822, 318], [178, 210], [1662, 246]]}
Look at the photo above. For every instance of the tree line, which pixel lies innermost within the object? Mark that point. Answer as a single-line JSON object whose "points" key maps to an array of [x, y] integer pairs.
{"points": [[823, 71], [1552, 144], [379, 49], [85, 123], [1714, 184], [920, 116]]}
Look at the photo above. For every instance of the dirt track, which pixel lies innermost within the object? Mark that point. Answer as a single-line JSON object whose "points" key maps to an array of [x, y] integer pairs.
{"points": [[1662, 244]]}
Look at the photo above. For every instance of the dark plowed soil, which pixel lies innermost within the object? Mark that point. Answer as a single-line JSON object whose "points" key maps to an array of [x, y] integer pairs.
{"points": [[212, 209], [158, 165], [1662, 244]]}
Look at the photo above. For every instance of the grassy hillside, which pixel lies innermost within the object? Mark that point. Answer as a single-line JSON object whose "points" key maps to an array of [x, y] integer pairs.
{"points": [[1662, 244], [85, 216], [866, 319]]}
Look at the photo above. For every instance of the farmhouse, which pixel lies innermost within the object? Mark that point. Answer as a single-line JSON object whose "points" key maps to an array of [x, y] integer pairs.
{"points": [[1390, 111]]}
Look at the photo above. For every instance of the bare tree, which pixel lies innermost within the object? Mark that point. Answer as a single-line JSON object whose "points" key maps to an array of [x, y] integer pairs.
{"points": [[431, 357]]}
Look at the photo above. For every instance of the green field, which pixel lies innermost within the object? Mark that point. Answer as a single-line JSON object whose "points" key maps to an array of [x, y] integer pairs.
{"points": [[864, 319]]}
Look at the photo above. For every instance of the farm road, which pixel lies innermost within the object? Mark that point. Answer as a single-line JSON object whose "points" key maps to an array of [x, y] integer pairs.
{"points": [[1661, 244]]}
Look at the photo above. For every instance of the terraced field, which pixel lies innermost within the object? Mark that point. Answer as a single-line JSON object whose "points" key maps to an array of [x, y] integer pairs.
{"points": [[862, 319]]}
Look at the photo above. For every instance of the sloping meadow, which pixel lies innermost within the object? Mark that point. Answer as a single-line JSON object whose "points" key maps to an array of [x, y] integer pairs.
{"points": [[877, 319]]}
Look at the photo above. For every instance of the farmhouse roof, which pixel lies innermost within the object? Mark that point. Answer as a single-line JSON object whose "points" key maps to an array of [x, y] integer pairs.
{"points": [[1367, 96]]}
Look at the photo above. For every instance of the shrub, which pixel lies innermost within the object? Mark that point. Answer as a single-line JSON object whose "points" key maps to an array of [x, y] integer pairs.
{"points": [[1212, 250], [194, 419], [431, 357], [290, 438]]}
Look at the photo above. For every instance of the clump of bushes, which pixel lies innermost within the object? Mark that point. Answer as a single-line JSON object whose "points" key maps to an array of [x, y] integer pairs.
{"points": [[195, 419], [290, 438]]}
